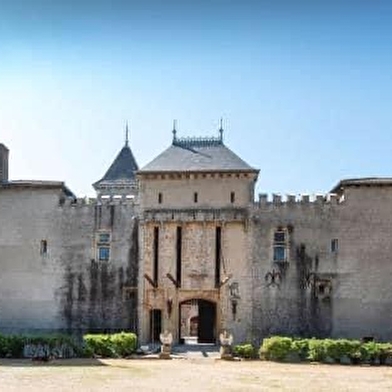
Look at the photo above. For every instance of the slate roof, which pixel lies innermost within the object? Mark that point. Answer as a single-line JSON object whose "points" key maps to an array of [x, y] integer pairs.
{"points": [[122, 170], [38, 184], [195, 155], [366, 181]]}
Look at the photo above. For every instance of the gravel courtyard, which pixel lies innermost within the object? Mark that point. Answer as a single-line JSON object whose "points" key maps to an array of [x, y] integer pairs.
{"points": [[188, 375]]}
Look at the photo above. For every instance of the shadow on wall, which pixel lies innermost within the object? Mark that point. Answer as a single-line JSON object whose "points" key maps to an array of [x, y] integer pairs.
{"points": [[100, 296]]}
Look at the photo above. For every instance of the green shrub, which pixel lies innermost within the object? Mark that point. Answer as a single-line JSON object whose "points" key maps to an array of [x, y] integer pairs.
{"points": [[373, 352], [301, 348], [316, 350], [385, 351], [338, 348], [3, 346], [124, 343], [99, 344], [245, 350], [14, 345], [112, 346], [276, 348]]}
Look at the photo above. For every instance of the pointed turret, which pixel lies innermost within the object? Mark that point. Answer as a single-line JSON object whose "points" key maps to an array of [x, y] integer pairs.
{"points": [[120, 179]]}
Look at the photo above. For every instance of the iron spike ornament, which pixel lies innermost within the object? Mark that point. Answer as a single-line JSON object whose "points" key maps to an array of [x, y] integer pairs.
{"points": [[126, 134]]}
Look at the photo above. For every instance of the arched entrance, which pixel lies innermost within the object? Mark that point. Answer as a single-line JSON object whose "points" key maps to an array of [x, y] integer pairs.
{"points": [[197, 321]]}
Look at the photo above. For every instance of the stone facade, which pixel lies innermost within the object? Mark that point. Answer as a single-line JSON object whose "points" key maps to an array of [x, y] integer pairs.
{"points": [[192, 251], [51, 276]]}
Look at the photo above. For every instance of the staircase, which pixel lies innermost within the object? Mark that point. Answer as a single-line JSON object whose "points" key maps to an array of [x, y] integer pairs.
{"points": [[196, 351]]}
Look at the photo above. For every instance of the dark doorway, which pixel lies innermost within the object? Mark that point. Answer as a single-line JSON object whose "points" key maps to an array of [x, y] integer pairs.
{"points": [[155, 324], [206, 330], [197, 321]]}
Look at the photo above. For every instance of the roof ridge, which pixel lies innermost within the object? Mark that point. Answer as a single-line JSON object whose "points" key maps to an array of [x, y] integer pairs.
{"points": [[210, 141]]}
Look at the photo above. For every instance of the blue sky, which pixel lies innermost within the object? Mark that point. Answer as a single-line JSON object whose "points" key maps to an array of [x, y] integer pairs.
{"points": [[304, 87]]}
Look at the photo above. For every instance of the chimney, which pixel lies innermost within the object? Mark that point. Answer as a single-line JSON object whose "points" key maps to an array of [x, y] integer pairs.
{"points": [[3, 163]]}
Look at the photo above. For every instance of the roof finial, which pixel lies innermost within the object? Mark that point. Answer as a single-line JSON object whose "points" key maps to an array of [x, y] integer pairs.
{"points": [[174, 130], [126, 134], [221, 129]]}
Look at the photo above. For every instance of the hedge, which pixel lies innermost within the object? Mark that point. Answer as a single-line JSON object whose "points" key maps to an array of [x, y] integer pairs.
{"points": [[19, 346], [278, 348], [245, 350], [110, 345]]}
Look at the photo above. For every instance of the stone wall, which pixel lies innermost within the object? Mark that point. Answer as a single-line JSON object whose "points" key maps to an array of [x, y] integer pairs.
{"points": [[213, 190], [363, 299], [52, 279], [29, 279], [285, 300], [65, 287]]}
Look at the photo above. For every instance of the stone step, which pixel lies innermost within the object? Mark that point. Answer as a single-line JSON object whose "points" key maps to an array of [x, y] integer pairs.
{"points": [[196, 351]]}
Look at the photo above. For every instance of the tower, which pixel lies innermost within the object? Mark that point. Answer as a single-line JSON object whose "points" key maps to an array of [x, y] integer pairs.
{"points": [[3, 163], [120, 179]]}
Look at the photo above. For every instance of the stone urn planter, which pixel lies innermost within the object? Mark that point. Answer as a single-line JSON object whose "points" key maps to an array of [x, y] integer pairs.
{"points": [[226, 341], [166, 339]]}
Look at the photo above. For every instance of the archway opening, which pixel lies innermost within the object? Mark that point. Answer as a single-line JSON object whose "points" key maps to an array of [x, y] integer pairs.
{"points": [[197, 322]]}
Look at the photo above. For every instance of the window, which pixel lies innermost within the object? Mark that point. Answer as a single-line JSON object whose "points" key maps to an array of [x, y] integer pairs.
{"points": [[232, 197], [279, 253], [280, 245], [103, 253], [279, 236], [195, 197], [334, 245], [160, 198], [103, 246], [104, 238], [323, 288], [44, 247]]}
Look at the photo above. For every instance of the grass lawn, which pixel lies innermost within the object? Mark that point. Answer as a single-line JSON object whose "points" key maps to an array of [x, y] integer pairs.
{"points": [[188, 375]]}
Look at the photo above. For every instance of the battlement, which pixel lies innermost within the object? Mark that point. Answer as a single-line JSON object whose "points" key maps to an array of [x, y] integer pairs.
{"points": [[298, 200], [104, 200]]}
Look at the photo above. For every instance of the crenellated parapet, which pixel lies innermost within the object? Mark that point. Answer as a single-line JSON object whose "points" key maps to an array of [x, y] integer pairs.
{"points": [[127, 200], [291, 200]]}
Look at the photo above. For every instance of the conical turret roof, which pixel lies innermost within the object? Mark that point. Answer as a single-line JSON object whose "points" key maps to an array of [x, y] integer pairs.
{"points": [[123, 167], [122, 171]]}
